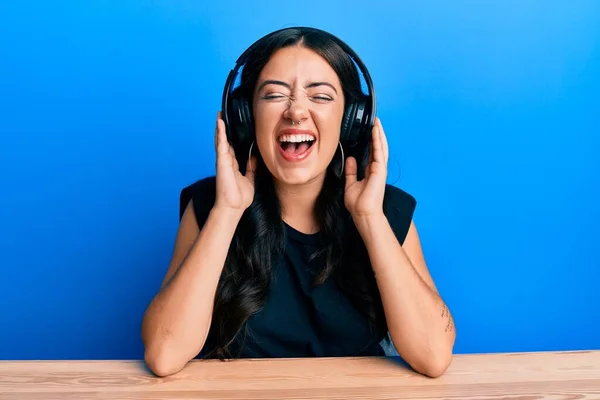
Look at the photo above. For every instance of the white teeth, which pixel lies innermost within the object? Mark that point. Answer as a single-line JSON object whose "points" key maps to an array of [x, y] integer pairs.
{"points": [[296, 138]]}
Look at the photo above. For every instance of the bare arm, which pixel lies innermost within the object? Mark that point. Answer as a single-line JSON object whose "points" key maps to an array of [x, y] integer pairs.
{"points": [[420, 323], [177, 321]]}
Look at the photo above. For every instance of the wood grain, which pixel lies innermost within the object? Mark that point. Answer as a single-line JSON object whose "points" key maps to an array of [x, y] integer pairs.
{"points": [[510, 376]]}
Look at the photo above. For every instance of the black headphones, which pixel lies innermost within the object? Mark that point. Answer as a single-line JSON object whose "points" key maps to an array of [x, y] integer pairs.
{"points": [[357, 122]]}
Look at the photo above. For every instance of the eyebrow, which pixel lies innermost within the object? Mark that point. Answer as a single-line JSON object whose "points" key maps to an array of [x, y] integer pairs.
{"points": [[287, 85]]}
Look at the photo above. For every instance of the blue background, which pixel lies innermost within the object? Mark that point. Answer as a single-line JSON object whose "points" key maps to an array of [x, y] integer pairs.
{"points": [[107, 110]]}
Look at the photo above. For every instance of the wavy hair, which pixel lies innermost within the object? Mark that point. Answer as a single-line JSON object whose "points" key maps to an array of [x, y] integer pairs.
{"points": [[259, 239]]}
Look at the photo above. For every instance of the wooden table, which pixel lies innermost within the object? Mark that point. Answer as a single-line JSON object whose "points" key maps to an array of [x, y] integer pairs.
{"points": [[523, 376]]}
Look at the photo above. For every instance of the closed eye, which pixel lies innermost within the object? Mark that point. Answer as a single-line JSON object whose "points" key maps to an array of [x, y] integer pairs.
{"points": [[273, 96], [323, 98]]}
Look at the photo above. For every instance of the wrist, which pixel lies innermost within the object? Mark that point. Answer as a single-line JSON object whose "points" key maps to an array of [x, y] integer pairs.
{"points": [[369, 224], [226, 214]]}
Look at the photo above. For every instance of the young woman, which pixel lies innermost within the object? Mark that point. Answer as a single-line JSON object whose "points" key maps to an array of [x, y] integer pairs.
{"points": [[305, 251]]}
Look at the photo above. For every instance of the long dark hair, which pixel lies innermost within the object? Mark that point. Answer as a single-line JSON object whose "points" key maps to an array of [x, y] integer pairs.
{"points": [[260, 235]]}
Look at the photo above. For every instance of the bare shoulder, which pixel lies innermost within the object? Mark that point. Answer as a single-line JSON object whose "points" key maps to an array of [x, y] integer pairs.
{"points": [[195, 203], [399, 208]]}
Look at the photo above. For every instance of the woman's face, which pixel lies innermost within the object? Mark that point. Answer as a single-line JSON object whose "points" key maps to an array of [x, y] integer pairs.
{"points": [[297, 85]]}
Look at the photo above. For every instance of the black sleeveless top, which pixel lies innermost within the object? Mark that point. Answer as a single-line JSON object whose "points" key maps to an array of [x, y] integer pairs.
{"points": [[299, 320]]}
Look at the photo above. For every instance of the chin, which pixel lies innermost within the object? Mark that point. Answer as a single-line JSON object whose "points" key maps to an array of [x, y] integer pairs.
{"points": [[297, 176]]}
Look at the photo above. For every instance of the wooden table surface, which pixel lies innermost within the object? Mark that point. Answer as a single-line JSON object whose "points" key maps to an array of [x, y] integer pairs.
{"points": [[518, 376]]}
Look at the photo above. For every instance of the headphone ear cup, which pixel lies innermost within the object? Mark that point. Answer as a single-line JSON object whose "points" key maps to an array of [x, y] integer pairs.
{"points": [[248, 122], [361, 131], [347, 124], [243, 127], [237, 119], [241, 119], [355, 130]]}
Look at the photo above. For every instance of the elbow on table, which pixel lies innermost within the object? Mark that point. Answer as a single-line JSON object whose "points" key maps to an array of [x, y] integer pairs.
{"points": [[436, 370], [436, 366], [162, 363]]}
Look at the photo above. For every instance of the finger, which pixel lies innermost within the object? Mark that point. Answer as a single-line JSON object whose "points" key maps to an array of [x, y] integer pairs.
{"points": [[370, 158], [216, 138], [377, 146], [234, 164], [384, 143], [222, 144], [351, 170], [249, 168], [232, 154]]}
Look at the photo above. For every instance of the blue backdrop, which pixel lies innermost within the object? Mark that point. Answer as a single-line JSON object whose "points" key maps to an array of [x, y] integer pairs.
{"points": [[107, 110]]}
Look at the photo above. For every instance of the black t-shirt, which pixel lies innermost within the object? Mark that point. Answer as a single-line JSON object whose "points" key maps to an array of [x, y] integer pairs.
{"points": [[298, 319]]}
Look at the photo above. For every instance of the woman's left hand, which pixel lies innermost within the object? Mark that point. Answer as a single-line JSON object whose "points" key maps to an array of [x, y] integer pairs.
{"points": [[364, 198]]}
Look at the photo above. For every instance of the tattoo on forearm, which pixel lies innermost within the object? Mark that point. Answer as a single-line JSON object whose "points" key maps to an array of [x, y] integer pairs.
{"points": [[446, 314]]}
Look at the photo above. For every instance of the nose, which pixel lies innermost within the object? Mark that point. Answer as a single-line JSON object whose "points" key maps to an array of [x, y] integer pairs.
{"points": [[296, 111]]}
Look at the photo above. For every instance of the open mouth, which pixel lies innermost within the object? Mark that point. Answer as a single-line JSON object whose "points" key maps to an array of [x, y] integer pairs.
{"points": [[296, 145]]}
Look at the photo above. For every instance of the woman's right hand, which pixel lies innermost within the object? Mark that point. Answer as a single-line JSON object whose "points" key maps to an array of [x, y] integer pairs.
{"points": [[234, 190]]}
